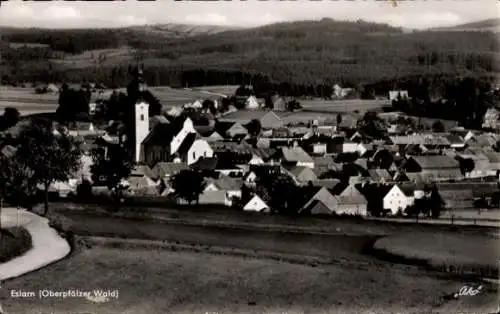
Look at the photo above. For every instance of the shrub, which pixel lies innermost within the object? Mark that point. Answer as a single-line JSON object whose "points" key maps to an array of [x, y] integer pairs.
{"points": [[13, 243]]}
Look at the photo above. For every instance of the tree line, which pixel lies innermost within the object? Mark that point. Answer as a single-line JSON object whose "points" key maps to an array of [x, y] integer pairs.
{"points": [[303, 53]]}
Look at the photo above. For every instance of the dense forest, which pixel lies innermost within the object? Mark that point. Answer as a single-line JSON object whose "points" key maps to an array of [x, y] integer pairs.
{"points": [[301, 54]]}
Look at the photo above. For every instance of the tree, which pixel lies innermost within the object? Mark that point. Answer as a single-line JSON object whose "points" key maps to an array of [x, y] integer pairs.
{"points": [[438, 126], [209, 105], [466, 165], [254, 127], [72, 103], [48, 157], [188, 185], [10, 116], [16, 182], [111, 168]]}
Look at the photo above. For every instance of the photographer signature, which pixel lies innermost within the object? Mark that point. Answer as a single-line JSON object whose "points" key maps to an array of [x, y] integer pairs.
{"points": [[465, 291]]}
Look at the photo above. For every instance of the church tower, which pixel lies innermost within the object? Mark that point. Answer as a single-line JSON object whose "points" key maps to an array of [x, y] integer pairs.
{"points": [[141, 126], [141, 116]]}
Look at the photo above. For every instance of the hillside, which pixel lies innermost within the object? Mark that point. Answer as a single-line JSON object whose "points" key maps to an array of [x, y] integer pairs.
{"points": [[490, 25], [304, 52]]}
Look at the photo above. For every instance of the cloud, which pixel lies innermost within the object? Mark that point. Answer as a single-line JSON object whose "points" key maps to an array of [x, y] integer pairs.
{"points": [[423, 20], [131, 20], [207, 18], [61, 12]]}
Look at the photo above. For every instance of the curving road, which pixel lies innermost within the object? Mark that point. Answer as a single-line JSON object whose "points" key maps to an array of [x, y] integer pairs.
{"points": [[47, 245]]}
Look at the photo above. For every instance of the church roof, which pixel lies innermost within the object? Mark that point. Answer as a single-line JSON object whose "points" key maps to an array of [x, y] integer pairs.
{"points": [[162, 134]]}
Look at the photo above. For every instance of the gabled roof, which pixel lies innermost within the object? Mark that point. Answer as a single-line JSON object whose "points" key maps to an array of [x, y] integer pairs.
{"points": [[187, 143], [213, 137], [436, 162], [304, 174], [205, 163], [408, 189], [380, 174], [213, 197], [326, 183], [162, 169], [162, 134], [295, 154], [226, 183], [325, 197], [142, 170]]}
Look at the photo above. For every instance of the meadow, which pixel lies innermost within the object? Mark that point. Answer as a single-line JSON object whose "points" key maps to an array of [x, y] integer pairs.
{"points": [[159, 281], [460, 253]]}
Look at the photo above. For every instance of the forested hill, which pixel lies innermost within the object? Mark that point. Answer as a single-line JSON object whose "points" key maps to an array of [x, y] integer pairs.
{"points": [[489, 25], [305, 52]]}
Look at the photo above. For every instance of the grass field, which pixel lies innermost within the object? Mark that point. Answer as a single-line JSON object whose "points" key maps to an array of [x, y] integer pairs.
{"points": [[228, 90], [462, 253], [98, 57], [13, 244], [348, 105], [168, 282]]}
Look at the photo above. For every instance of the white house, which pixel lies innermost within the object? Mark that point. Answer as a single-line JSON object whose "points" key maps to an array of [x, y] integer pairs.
{"points": [[199, 148], [394, 94], [319, 148], [349, 147], [256, 160], [252, 103], [397, 199], [250, 179], [256, 204]]}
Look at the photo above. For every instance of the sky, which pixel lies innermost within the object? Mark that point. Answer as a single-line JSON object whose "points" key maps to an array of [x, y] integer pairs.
{"points": [[409, 13]]}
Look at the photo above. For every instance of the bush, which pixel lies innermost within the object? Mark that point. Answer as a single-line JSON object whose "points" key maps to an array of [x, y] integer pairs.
{"points": [[13, 243]]}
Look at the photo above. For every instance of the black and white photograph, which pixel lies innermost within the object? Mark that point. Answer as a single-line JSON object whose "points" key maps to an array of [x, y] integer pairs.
{"points": [[227, 157]]}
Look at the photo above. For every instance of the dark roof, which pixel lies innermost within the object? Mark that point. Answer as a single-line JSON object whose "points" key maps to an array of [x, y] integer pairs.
{"points": [[186, 144], [407, 188], [436, 162], [162, 134], [205, 163]]}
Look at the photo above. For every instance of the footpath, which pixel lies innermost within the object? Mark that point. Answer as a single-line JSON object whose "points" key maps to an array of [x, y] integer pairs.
{"points": [[47, 246]]}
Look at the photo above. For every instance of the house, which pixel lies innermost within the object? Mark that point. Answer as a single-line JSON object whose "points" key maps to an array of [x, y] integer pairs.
{"points": [[491, 119], [380, 175], [237, 130], [214, 197], [349, 147], [396, 94], [435, 168], [319, 148], [350, 201], [398, 198], [280, 103], [456, 141], [256, 160], [163, 142], [456, 195], [141, 185], [296, 156], [167, 169], [302, 175], [251, 103], [231, 186], [194, 148], [321, 203], [256, 204], [174, 111], [82, 129], [213, 137]]}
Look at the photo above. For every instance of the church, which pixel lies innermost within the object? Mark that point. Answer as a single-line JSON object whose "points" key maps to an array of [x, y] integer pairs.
{"points": [[163, 141]]}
